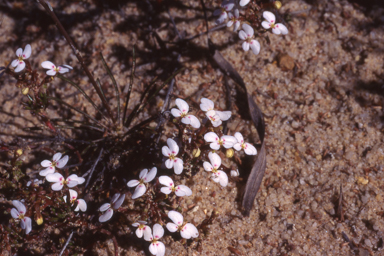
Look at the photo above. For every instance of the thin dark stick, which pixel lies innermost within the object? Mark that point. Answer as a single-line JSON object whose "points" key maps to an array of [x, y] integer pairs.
{"points": [[130, 83], [49, 9], [66, 243], [93, 168]]}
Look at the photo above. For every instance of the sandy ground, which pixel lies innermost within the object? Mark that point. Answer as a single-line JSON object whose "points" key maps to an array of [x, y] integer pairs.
{"points": [[324, 118]]}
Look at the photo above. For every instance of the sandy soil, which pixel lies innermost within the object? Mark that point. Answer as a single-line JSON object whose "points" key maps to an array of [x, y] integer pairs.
{"points": [[324, 118]]}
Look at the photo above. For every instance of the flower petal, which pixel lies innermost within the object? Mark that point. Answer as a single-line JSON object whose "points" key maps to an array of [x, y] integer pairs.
{"points": [[228, 141], [239, 137], [169, 163], [237, 25], [266, 24], [176, 217], [143, 173], [189, 231], [270, 17], [147, 233], [56, 157], [158, 231], [82, 205], [48, 65], [106, 216], [62, 162], [194, 122], [51, 72], [19, 52], [151, 175], [235, 173], [182, 105], [105, 207], [244, 2], [242, 35], [139, 232], [54, 177], [175, 112], [63, 70], [57, 186], [214, 159], [139, 191], [224, 115], [15, 62], [173, 147], [14, 213], [186, 120], [28, 224], [237, 146], [166, 190], [47, 171], [250, 149], [211, 137], [119, 201], [166, 181], [20, 67], [222, 178], [115, 197], [206, 104], [283, 28], [72, 194], [27, 51], [46, 163], [248, 30], [207, 166], [178, 166], [276, 31], [165, 150], [245, 46], [19, 206], [182, 190], [172, 227], [133, 183]]}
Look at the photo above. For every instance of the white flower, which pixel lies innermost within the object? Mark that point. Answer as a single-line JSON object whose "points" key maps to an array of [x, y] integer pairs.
{"points": [[19, 63], [248, 148], [145, 177], [116, 201], [18, 213], [247, 35], [277, 28], [57, 162], [72, 181], [215, 116], [179, 190], [35, 182], [142, 229], [217, 176], [183, 113], [156, 248], [53, 69], [234, 19], [226, 6], [171, 152], [187, 230], [81, 204], [244, 2], [235, 173], [226, 141]]}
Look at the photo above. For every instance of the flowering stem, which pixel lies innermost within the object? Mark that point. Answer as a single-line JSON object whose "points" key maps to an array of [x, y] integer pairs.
{"points": [[49, 9]]}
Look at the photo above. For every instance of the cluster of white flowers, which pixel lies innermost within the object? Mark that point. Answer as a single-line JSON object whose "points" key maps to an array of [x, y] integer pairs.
{"points": [[231, 9], [19, 63]]}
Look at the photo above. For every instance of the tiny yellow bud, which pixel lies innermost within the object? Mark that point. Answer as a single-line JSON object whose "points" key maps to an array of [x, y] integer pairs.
{"points": [[39, 220], [19, 151], [229, 153], [25, 91], [277, 4], [196, 152]]}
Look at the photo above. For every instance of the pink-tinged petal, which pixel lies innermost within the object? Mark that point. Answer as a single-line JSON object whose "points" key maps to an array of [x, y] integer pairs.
{"points": [[228, 6], [283, 28], [173, 147], [207, 166], [189, 231], [81, 205], [153, 247], [172, 227], [230, 22], [239, 137], [46, 163], [19, 206], [250, 149], [65, 198], [14, 213], [166, 190], [237, 26], [169, 164], [211, 137], [158, 231], [151, 175], [182, 105], [54, 177], [119, 202], [237, 146], [222, 18], [216, 123], [186, 120], [214, 159], [194, 122], [139, 233], [248, 30], [175, 112], [276, 31], [143, 173], [176, 217], [72, 194], [166, 181], [115, 197], [22, 224], [56, 157], [206, 104], [20, 67], [139, 191], [228, 141], [74, 177], [160, 249], [105, 207], [165, 150], [217, 12], [62, 162], [245, 46], [242, 35], [236, 13], [67, 66], [72, 183], [27, 51], [148, 233], [235, 173], [51, 72], [244, 2], [48, 65], [266, 24], [133, 183], [223, 178], [178, 166], [224, 115], [63, 70], [47, 171], [106, 216], [15, 63], [182, 190], [58, 186], [19, 52], [270, 17], [28, 225]]}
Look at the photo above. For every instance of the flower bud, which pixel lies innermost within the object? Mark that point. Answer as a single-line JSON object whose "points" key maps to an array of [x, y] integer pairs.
{"points": [[39, 220], [277, 4], [25, 91], [19, 152], [229, 153], [196, 152]]}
